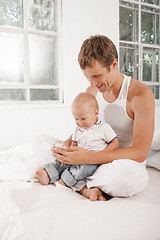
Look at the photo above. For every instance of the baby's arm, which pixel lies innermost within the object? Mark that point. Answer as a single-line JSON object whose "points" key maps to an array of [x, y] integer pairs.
{"points": [[113, 145], [68, 142], [74, 138], [73, 144]]}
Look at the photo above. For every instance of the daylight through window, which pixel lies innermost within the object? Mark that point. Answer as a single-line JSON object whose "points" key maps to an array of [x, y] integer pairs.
{"points": [[29, 46], [140, 41]]}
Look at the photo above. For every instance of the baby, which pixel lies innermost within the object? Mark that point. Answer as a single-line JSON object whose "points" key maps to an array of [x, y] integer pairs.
{"points": [[90, 134]]}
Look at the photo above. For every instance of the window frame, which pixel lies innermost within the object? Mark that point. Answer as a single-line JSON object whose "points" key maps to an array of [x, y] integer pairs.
{"points": [[25, 31], [142, 45]]}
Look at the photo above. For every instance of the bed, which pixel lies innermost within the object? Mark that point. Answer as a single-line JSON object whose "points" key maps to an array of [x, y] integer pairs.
{"points": [[31, 211]]}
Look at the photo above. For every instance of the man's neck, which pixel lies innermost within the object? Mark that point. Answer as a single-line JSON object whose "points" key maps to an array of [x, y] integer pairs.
{"points": [[112, 93]]}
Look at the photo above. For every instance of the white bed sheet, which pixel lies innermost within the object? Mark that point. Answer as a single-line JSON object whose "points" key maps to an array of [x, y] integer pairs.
{"points": [[10, 220], [50, 213], [46, 212]]}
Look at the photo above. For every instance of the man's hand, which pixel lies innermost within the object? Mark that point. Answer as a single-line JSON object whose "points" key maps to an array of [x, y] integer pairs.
{"points": [[72, 155]]}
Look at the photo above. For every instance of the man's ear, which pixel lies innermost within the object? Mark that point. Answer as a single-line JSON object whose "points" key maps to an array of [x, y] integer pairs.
{"points": [[115, 63]]}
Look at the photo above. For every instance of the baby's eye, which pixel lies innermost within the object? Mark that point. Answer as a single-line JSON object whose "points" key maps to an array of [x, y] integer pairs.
{"points": [[83, 119]]}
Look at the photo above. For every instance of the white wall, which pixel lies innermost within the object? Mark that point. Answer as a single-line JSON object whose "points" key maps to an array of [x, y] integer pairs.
{"points": [[80, 19]]}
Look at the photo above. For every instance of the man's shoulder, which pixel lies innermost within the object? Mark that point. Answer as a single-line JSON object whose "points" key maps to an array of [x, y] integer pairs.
{"points": [[139, 95], [139, 90]]}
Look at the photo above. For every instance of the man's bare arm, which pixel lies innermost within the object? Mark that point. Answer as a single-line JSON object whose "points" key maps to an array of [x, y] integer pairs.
{"points": [[143, 107]]}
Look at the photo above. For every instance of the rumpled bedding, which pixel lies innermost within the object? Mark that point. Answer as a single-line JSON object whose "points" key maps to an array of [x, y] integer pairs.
{"points": [[10, 221], [17, 165]]}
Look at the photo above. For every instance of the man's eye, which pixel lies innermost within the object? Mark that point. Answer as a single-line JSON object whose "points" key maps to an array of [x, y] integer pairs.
{"points": [[96, 76]]}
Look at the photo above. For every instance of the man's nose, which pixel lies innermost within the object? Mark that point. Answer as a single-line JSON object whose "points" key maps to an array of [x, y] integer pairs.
{"points": [[92, 82]]}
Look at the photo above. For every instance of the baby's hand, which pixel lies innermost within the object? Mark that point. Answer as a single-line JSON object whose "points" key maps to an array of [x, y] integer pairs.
{"points": [[59, 145], [56, 147]]}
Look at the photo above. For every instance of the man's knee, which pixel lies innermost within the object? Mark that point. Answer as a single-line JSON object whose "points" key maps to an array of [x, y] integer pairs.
{"points": [[122, 178]]}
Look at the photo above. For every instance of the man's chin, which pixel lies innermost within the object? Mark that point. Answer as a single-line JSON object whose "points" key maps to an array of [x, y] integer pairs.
{"points": [[101, 90]]}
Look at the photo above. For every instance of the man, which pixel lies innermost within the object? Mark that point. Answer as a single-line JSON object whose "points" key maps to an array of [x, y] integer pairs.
{"points": [[128, 106]]}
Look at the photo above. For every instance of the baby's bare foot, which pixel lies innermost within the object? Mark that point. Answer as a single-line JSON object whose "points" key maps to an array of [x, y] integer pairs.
{"points": [[42, 176]]}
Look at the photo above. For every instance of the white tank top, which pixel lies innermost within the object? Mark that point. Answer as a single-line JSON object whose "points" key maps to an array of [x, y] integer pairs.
{"points": [[115, 114]]}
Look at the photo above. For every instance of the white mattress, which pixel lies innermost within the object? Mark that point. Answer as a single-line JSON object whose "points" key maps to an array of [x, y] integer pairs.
{"points": [[31, 211], [49, 213]]}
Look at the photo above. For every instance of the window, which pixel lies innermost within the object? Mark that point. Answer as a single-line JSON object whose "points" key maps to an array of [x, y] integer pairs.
{"points": [[140, 41], [29, 47]]}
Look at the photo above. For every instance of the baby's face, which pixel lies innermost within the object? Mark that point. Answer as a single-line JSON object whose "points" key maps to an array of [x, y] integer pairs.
{"points": [[84, 118]]}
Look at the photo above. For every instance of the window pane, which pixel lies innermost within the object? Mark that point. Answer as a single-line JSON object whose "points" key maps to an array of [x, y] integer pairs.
{"points": [[42, 14], [11, 59], [44, 94], [12, 95], [11, 13], [42, 60], [129, 60], [150, 65], [156, 2], [150, 25], [156, 91], [128, 21]]}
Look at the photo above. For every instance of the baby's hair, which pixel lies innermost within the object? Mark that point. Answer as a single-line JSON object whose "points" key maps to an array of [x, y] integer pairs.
{"points": [[87, 99]]}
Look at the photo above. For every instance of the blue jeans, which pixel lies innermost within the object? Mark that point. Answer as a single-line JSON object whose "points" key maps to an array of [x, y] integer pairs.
{"points": [[70, 174]]}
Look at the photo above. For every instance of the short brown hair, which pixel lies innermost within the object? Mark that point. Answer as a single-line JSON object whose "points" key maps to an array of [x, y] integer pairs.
{"points": [[99, 48]]}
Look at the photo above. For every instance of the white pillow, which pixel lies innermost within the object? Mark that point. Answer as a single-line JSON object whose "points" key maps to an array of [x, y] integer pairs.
{"points": [[156, 140], [153, 159]]}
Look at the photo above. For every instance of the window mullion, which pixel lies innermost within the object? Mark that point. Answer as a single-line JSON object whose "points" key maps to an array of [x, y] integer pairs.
{"points": [[153, 67], [140, 73], [155, 27], [26, 50], [59, 72]]}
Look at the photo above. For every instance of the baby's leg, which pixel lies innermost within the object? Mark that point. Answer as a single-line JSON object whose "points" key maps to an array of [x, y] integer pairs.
{"points": [[42, 176], [60, 181], [80, 172]]}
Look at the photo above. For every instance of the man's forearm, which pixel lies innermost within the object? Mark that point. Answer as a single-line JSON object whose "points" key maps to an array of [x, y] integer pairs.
{"points": [[124, 153]]}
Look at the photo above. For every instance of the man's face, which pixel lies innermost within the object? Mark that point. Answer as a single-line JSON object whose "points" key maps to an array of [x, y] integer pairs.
{"points": [[98, 76]]}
